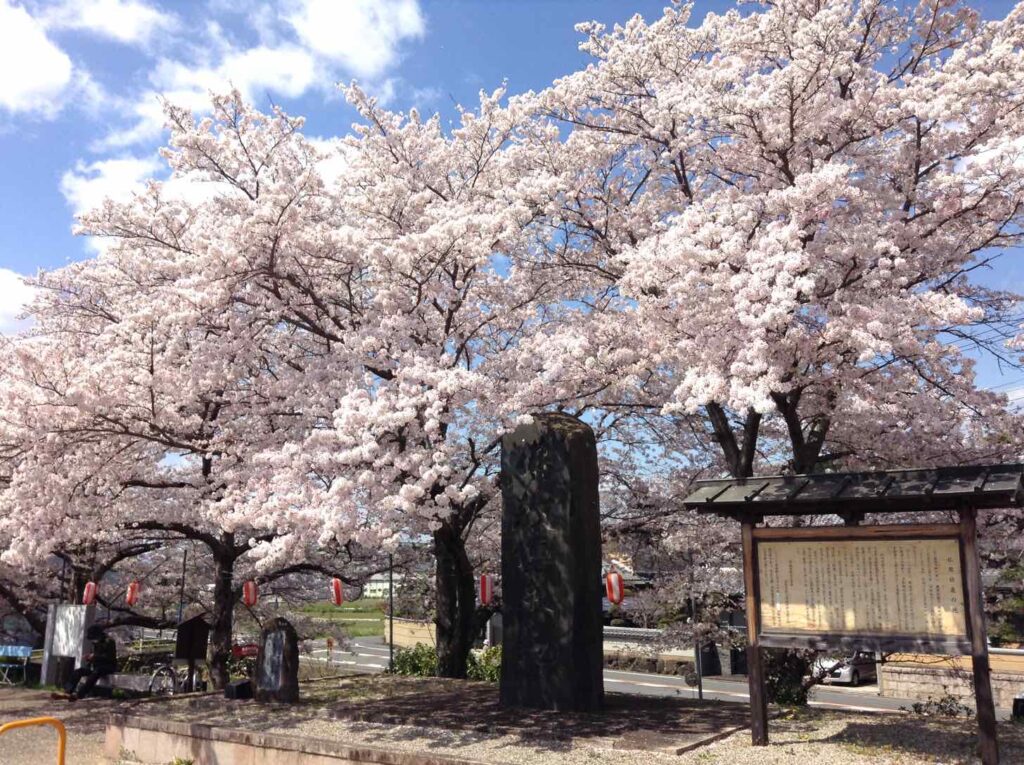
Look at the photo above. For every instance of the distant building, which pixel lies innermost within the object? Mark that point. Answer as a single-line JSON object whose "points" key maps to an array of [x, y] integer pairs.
{"points": [[377, 586]]}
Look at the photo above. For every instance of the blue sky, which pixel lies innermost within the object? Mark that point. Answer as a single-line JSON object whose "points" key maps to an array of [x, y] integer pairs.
{"points": [[80, 82]]}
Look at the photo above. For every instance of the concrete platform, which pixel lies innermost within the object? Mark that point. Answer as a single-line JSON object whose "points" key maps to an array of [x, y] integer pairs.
{"points": [[157, 741]]}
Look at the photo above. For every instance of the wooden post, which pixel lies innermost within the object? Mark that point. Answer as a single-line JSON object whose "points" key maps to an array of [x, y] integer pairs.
{"points": [[974, 596], [755, 671]]}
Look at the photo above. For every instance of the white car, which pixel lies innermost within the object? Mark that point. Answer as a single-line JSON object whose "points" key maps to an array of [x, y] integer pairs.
{"points": [[851, 670]]}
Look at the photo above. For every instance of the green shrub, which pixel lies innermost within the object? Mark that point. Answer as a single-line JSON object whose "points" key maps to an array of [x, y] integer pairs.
{"points": [[241, 667], [784, 671], [946, 705], [486, 665], [419, 661]]}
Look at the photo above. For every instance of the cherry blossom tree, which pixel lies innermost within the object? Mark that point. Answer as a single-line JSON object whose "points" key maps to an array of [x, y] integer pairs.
{"points": [[370, 319], [751, 241], [126, 415], [775, 221]]}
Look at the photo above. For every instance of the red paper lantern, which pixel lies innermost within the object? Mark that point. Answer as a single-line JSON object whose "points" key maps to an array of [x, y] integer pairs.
{"points": [[337, 592], [615, 587], [250, 593], [132, 596], [89, 594], [486, 589]]}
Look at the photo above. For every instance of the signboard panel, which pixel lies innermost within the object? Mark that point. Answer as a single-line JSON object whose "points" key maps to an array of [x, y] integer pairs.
{"points": [[69, 624], [911, 588]]}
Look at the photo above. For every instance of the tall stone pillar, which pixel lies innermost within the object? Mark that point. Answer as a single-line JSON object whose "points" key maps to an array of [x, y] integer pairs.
{"points": [[551, 566]]}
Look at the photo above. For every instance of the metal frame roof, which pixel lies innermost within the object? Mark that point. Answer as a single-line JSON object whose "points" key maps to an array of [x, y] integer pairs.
{"points": [[854, 494]]}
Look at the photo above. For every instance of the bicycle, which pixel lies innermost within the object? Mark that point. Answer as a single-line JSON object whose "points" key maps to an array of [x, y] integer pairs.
{"points": [[168, 680]]}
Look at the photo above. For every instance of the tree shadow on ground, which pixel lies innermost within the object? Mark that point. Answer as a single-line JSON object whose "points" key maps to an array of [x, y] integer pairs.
{"points": [[628, 721], [930, 738], [942, 740], [452, 713]]}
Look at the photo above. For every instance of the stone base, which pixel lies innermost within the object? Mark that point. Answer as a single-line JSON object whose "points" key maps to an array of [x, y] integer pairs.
{"points": [[904, 682], [153, 741]]}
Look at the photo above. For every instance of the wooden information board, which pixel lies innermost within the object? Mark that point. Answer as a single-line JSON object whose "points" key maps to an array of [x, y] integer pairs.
{"points": [[910, 587], [905, 589]]}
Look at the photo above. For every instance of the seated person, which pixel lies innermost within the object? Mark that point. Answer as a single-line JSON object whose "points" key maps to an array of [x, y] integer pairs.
{"points": [[101, 662]]}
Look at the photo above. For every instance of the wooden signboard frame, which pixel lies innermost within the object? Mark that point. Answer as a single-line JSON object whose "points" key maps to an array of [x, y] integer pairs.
{"points": [[974, 642], [960, 490]]}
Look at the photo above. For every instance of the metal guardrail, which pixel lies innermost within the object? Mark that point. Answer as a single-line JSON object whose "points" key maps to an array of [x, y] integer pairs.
{"points": [[632, 634], [62, 734]]}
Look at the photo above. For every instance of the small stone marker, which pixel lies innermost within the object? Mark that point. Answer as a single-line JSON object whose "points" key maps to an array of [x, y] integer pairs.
{"points": [[277, 663], [551, 566]]}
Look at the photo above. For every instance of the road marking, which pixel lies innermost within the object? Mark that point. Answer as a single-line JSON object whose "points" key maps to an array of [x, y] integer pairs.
{"points": [[851, 707], [689, 691], [362, 664], [371, 648], [345, 661]]}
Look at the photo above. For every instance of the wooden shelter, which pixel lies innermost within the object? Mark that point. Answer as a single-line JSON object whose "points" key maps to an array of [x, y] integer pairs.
{"points": [[885, 586]]}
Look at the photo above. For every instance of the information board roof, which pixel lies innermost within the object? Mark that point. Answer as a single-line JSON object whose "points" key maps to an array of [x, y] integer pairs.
{"points": [[844, 494]]}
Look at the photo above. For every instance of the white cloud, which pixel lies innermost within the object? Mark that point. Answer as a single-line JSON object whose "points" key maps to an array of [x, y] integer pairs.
{"points": [[332, 38], [34, 73], [14, 296], [335, 160], [385, 90], [130, 22], [422, 97], [88, 184], [363, 36], [287, 71]]}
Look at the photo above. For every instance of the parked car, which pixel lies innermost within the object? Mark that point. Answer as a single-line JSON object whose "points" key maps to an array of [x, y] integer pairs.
{"points": [[859, 668]]}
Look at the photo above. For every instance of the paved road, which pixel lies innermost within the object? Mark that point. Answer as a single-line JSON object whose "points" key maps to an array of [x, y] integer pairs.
{"points": [[371, 655]]}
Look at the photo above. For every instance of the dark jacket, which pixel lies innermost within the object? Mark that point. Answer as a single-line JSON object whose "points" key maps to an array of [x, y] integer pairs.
{"points": [[104, 656]]}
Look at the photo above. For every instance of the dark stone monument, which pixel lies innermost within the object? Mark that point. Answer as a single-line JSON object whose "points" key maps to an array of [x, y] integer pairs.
{"points": [[551, 566], [277, 663]]}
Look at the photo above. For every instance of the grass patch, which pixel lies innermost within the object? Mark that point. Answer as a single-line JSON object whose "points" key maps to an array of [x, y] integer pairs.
{"points": [[363, 629], [364, 606], [359, 618]]}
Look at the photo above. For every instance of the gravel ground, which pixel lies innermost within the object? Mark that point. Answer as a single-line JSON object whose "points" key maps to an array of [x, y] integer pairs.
{"points": [[815, 737], [85, 722], [810, 737]]}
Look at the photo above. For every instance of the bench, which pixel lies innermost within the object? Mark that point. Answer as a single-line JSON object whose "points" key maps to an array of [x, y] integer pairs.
{"points": [[14, 659]]}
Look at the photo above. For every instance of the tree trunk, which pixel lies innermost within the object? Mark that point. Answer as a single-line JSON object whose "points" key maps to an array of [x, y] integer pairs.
{"points": [[76, 592], [223, 614], [739, 454], [456, 602]]}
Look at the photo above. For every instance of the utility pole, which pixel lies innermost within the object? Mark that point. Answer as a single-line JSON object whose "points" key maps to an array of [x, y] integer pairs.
{"points": [[391, 613], [696, 632], [181, 591]]}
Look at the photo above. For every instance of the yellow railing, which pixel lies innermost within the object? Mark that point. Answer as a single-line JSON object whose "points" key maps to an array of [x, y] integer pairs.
{"points": [[62, 734]]}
